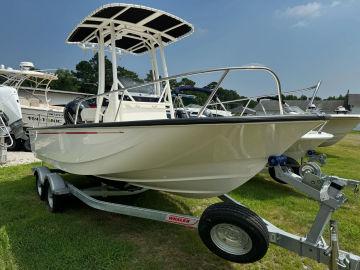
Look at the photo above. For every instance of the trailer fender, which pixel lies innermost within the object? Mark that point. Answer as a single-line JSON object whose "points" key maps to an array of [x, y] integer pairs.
{"points": [[41, 173], [57, 184]]}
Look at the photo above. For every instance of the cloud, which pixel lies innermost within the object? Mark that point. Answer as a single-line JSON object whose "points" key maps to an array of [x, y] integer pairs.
{"points": [[300, 24], [309, 10], [202, 31], [335, 3], [303, 15]]}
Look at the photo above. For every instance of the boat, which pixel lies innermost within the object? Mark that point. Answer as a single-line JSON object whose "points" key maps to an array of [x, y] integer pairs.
{"points": [[192, 110], [35, 111], [142, 142], [340, 125], [305, 145], [309, 142]]}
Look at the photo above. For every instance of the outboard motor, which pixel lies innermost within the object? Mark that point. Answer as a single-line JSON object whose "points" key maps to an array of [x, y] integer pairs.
{"points": [[10, 107], [70, 111]]}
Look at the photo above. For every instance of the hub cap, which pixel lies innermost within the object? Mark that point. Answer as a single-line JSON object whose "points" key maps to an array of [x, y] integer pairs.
{"points": [[231, 239]]}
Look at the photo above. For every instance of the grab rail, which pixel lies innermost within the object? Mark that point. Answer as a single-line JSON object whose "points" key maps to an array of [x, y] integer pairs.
{"points": [[225, 71]]}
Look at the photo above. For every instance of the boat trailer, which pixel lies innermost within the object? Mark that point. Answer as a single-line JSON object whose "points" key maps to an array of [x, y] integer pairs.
{"points": [[229, 229]]}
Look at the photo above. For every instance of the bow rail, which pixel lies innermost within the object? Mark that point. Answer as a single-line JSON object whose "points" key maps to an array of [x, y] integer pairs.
{"points": [[223, 71]]}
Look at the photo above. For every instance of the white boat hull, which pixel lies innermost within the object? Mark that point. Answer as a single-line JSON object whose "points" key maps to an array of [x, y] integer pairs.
{"points": [[310, 141], [339, 125], [41, 117], [198, 160]]}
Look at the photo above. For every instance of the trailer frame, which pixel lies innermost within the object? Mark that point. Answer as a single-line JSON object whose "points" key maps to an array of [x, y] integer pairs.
{"points": [[312, 245]]}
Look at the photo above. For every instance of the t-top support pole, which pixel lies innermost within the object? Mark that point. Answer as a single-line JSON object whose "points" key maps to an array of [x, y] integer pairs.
{"points": [[166, 74], [114, 97], [101, 79], [155, 70]]}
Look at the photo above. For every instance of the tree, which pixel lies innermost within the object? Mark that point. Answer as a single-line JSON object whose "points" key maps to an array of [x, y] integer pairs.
{"points": [[340, 97], [200, 98], [87, 74], [85, 79], [290, 97], [66, 81], [149, 76], [226, 95], [124, 73]]}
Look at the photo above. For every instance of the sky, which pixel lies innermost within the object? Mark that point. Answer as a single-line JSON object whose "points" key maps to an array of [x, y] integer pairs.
{"points": [[302, 41]]}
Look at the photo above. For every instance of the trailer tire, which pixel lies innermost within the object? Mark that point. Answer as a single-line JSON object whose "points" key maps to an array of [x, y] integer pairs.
{"points": [[291, 163], [40, 188], [234, 233], [54, 201]]}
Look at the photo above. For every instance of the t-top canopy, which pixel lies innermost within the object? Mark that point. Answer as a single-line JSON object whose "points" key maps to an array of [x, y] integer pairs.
{"points": [[12, 73], [137, 28]]}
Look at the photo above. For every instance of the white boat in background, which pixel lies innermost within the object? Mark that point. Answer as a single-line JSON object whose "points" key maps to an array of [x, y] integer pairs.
{"points": [[36, 110], [339, 125], [309, 142], [141, 142], [192, 110]]}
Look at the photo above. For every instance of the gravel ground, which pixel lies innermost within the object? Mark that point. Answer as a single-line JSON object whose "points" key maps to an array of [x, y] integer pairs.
{"points": [[17, 158]]}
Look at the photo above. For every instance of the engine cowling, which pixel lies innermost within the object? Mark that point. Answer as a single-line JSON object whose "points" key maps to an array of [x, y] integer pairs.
{"points": [[70, 111], [10, 106]]}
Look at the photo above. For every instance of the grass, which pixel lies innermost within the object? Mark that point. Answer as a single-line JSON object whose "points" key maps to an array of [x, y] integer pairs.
{"points": [[84, 238]]}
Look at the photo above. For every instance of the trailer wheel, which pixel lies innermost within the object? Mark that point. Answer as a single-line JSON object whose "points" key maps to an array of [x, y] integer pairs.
{"points": [[39, 187], [234, 233], [292, 164], [53, 201]]}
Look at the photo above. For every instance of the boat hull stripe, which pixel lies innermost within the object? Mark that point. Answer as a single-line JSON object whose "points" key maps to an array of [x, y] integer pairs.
{"points": [[77, 132]]}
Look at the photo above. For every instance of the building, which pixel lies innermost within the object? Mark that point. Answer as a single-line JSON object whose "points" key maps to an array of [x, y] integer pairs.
{"points": [[353, 101]]}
